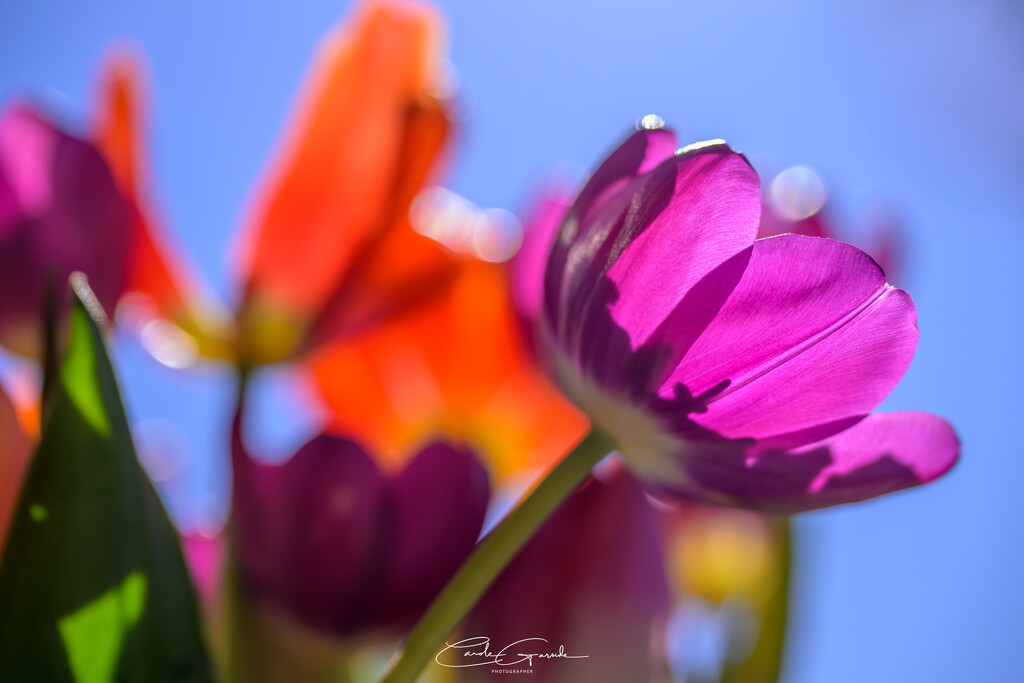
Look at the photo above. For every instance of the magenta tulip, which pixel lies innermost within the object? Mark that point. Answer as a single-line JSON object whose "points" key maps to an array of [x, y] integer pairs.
{"points": [[729, 370]]}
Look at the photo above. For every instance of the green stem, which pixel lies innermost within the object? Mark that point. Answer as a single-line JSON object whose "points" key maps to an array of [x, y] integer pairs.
{"points": [[493, 553]]}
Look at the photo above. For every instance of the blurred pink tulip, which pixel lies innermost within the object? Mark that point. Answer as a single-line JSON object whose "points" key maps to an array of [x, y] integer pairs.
{"points": [[60, 211]]}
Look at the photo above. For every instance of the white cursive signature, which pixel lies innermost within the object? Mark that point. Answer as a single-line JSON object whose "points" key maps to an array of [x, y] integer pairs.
{"points": [[478, 651]]}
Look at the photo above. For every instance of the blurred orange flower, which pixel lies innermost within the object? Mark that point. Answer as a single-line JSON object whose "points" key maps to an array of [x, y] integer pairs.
{"points": [[327, 249], [159, 286], [460, 367]]}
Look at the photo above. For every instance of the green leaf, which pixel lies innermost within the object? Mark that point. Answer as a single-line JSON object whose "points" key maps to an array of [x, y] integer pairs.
{"points": [[93, 586]]}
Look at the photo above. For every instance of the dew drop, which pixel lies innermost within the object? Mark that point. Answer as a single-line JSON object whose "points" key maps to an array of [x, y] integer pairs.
{"points": [[652, 122]]}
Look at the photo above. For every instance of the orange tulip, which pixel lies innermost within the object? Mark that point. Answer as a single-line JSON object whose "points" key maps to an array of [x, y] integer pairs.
{"points": [[159, 285], [327, 249], [458, 366]]}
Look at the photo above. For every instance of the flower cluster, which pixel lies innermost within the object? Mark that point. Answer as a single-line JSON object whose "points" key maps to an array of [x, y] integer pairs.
{"points": [[726, 354]]}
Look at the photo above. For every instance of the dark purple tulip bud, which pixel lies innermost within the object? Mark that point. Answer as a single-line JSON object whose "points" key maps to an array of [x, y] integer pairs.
{"points": [[437, 509], [330, 541]]}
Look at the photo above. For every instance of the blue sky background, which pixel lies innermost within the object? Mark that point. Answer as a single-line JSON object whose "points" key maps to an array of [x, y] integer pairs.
{"points": [[919, 105]]}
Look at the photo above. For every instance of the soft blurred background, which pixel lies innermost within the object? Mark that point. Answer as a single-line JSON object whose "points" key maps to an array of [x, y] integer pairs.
{"points": [[914, 107]]}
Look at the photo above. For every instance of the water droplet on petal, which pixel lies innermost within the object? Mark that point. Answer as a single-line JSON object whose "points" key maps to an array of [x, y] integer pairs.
{"points": [[652, 122]]}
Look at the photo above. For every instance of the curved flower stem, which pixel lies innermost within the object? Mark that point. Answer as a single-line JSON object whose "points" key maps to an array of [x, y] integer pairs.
{"points": [[493, 553]]}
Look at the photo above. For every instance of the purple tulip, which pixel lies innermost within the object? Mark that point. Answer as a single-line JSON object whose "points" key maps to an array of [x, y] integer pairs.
{"points": [[729, 370], [337, 545], [591, 582], [60, 211]]}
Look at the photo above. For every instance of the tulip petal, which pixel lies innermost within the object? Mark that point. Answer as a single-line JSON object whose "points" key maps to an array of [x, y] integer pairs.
{"points": [[8, 204], [642, 151], [713, 214], [592, 580], [458, 366], [70, 216], [343, 164], [205, 556], [811, 335], [119, 136], [308, 530], [653, 243], [882, 453], [438, 507], [338, 546], [539, 232], [156, 270]]}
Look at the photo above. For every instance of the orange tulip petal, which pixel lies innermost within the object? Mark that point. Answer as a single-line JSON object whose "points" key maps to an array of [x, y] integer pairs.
{"points": [[342, 163], [457, 366], [396, 268], [155, 271]]}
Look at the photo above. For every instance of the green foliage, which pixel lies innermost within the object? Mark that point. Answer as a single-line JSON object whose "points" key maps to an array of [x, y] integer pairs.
{"points": [[93, 586]]}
